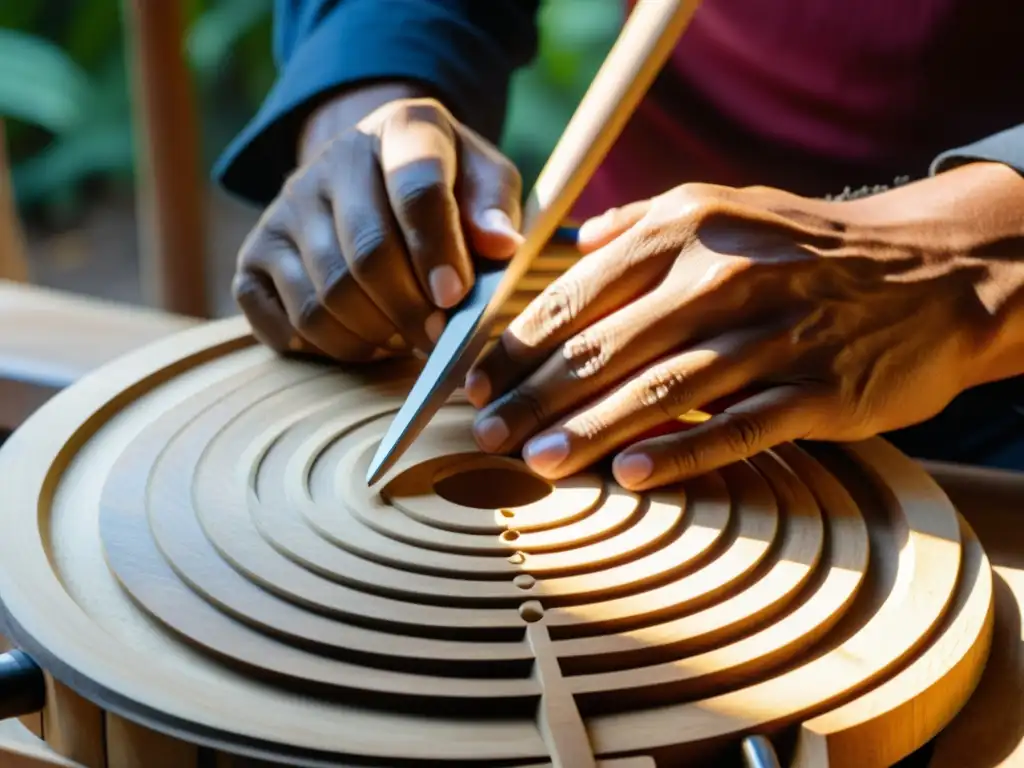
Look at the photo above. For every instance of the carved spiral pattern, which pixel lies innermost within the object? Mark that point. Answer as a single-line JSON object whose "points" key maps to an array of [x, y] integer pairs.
{"points": [[574, 623]]}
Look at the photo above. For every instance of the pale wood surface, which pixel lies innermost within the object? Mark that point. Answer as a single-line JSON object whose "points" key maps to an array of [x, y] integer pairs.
{"points": [[204, 484], [685, 600], [49, 339], [989, 732], [20, 748]]}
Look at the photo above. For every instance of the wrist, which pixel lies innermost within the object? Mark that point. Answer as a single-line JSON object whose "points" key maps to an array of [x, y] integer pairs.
{"points": [[343, 110], [967, 223]]}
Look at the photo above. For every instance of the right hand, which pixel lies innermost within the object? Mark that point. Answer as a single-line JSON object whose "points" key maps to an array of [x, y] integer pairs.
{"points": [[369, 241]]}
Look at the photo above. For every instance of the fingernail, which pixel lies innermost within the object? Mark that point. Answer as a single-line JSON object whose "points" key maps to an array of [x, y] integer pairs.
{"points": [[545, 453], [497, 221], [435, 326], [446, 286], [491, 433], [632, 468], [419, 354], [396, 342], [478, 388], [592, 229]]}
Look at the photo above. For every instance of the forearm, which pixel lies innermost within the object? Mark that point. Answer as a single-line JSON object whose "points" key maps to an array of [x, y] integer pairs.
{"points": [[970, 222]]}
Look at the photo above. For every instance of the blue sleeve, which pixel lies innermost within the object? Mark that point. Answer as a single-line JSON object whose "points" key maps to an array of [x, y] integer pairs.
{"points": [[463, 50], [1005, 147]]}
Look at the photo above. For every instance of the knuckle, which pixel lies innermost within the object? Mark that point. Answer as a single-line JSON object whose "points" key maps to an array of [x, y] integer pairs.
{"points": [[419, 196], [687, 461], [302, 182], [586, 355], [368, 241], [424, 108], [558, 306], [245, 289], [669, 391], [337, 280], [250, 251], [308, 315], [269, 234], [743, 434], [587, 427], [509, 175], [692, 200], [530, 399]]}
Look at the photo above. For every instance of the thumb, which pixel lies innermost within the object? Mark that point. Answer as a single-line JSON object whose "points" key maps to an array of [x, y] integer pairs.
{"points": [[490, 200], [599, 231]]}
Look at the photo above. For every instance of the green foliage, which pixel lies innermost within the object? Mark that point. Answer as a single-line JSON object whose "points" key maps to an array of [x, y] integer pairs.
{"points": [[575, 36], [41, 84], [216, 32], [64, 87]]}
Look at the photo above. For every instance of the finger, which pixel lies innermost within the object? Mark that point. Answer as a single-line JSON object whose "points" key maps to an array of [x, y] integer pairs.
{"points": [[591, 289], [372, 246], [418, 156], [255, 295], [664, 392], [599, 231], [587, 364], [489, 190], [334, 284], [770, 418], [308, 316]]}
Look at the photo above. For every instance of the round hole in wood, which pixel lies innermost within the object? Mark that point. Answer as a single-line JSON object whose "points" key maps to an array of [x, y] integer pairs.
{"points": [[531, 611], [524, 581], [510, 535], [490, 487]]}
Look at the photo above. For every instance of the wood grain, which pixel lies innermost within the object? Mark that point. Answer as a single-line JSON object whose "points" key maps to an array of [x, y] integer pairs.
{"points": [[50, 339], [989, 731], [204, 528]]}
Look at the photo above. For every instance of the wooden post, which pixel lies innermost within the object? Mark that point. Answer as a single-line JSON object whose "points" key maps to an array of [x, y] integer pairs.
{"points": [[13, 261], [170, 187]]}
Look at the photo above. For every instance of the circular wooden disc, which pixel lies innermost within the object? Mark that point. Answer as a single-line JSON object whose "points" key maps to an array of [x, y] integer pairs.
{"points": [[189, 542]]}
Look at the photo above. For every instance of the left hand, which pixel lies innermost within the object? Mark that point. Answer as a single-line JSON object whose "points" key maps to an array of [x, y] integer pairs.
{"points": [[818, 320]]}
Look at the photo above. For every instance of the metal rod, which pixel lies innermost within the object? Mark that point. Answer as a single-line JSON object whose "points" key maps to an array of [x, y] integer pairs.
{"points": [[22, 687], [758, 752]]}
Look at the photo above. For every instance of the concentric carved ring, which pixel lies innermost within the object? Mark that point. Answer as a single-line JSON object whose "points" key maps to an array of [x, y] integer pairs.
{"points": [[205, 558]]}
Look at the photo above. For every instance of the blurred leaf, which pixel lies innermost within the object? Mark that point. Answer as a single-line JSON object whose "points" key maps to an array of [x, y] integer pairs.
{"points": [[100, 149], [93, 31], [20, 15], [537, 115], [576, 24], [111, 91], [575, 36], [210, 40], [41, 84]]}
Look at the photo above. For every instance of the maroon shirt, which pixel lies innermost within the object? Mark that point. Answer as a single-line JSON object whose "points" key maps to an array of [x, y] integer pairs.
{"points": [[817, 95]]}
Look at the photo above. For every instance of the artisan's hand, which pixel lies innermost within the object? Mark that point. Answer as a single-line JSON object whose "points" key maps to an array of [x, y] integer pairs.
{"points": [[819, 320], [369, 241]]}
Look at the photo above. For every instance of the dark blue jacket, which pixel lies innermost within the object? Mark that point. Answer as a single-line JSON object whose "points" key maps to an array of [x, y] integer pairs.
{"points": [[464, 50]]}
